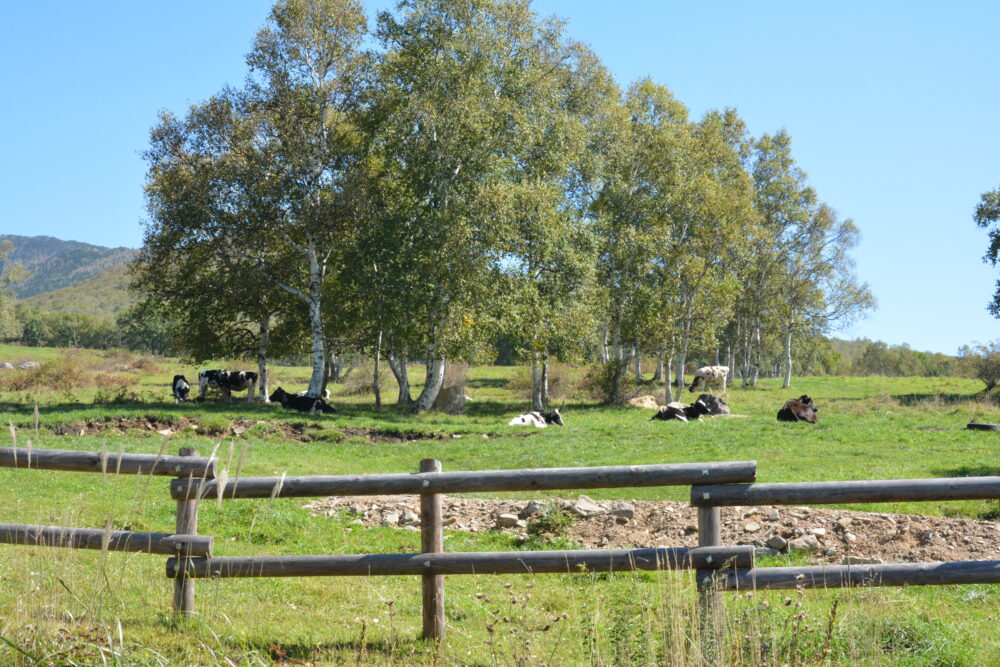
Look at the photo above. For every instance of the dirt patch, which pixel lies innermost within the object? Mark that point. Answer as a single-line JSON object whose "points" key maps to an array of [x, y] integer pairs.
{"points": [[123, 425], [837, 533]]}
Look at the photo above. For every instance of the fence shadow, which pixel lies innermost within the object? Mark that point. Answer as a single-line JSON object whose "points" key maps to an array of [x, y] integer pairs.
{"points": [[968, 471]]}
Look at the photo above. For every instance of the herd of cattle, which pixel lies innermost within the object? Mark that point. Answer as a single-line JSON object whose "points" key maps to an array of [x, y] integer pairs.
{"points": [[707, 405]]}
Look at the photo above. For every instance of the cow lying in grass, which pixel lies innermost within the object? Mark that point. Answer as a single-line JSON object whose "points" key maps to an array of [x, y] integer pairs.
{"points": [[707, 404], [300, 403], [801, 409], [226, 382], [709, 376], [181, 388], [537, 419]]}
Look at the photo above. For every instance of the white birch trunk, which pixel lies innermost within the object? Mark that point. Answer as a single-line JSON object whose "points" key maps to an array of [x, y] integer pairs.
{"points": [[375, 375], [432, 385], [788, 358], [537, 399], [265, 332], [398, 365]]}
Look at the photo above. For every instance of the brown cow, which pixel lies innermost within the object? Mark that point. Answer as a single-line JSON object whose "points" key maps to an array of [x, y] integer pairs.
{"points": [[801, 409]]}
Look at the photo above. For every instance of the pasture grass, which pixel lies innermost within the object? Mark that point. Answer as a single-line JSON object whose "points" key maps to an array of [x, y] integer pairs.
{"points": [[76, 607]]}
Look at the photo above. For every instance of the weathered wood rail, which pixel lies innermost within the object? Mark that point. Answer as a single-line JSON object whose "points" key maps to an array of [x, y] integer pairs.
{"points": [[107, 462], [109, 540]]}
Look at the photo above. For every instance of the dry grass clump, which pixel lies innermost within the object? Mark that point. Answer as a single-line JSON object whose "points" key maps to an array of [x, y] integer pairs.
{"points": [[60, 374], [360, 382]]}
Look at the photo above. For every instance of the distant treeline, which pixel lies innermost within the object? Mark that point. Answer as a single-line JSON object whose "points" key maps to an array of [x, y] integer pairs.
{"points": [[142, 332]]}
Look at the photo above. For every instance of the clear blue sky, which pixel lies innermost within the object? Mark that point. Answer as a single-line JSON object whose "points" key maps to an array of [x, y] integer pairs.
{"points": [[892, 107]]}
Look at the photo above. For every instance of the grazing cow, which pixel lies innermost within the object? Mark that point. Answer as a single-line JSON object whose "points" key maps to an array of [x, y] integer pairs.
{"points": [[709, 376], [537, 419], [801, 409], [300, 403], [181, 388], [227, 382]]}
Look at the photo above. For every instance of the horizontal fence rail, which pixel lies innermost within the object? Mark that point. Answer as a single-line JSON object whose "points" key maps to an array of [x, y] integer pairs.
{"points": [[509, 562], [528, 479], [843, 576], [110, 540], [827, 493], [111, 462]]}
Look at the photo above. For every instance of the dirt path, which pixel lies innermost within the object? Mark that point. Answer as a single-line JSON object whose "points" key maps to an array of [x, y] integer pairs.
{"points": [[828, 535]]}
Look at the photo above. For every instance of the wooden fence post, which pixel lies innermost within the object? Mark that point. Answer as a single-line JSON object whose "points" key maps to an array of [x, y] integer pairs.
{"points": [[187, 524], [432, 541], [709, 598]]}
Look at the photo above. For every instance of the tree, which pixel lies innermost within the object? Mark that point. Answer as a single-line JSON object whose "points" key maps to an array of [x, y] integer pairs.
{"points": [[264, 175], [459, 84], [987, 216]]}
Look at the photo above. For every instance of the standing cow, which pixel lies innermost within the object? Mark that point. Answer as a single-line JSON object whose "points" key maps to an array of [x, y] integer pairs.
{"points": [[226, 382], [709, 376], [181, 388]]}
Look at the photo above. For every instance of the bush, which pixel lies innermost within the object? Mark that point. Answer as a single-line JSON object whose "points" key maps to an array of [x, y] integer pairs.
{"points": [[213, 425], [360, 383], [599, 383], [559, 381], [61, 374], [987, 364]]}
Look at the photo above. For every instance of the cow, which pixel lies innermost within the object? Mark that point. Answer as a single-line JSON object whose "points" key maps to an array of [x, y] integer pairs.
{"points": [[227, 382], [707, 404], [181, 388], [801, 409], [537, 419], [710, 376], [300, 403], [305, 392]]}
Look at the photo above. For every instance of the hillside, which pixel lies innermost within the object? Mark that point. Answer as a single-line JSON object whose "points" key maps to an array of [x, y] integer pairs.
{"points": [[104, 295], [53, 263]]}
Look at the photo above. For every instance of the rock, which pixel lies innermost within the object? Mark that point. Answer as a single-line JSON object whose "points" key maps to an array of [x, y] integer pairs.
{"points": [[774, 515], [766, 551], [818, 532], [623, 510], [450, 521], [29, 364], [412, 529], [807, 543], [751, 527], [409, 518], [507, 521], [6, 365], [798, 515], [532, 508], [691, 528], [450, 400], [844, 522], [646, 402], [390, 519], [860, 560], [357, 522], [357, 509], [776, 542], [586, 507], [850, 537], [831, 551]]}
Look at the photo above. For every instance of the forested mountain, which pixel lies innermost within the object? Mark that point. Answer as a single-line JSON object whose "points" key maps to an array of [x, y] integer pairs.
{"points": [[53, 263], [104, 295]]}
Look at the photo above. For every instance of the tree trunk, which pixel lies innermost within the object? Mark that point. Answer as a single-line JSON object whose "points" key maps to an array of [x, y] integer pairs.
{"points": [[336, 374], [658, 376], [545, 381], [398, 365], [262, 382], [788, 358], [537, 398], [605, 355], [432, 385], [637, 365], [668, 394], [375, 374]]}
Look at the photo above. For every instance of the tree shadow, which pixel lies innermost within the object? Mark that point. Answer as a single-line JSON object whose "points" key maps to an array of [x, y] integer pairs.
{"points": [[911, 400], [487, 383], [968, 471]]}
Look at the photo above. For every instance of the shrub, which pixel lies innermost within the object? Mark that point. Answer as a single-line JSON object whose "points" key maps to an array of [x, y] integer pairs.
{"points": [[361, 382], [598, 383], [559, 381], [987, 364], [61, 374]]}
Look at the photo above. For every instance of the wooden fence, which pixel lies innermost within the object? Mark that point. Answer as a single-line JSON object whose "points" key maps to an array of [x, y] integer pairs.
{"points": [[713, 485]]}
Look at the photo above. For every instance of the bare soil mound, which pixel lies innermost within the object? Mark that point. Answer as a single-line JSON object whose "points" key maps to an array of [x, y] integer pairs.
{"points": [[826, 535]]}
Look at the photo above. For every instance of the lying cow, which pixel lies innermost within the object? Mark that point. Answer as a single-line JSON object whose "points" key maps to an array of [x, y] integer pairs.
{"points": [[226, 382], [181, 388], [801, 409], [709, 376], [305, 392], [300, 403], [537, 419], [707, 404]]}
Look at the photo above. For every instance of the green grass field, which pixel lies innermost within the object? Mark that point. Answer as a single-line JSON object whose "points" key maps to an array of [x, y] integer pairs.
{"points": [[74, 607]]}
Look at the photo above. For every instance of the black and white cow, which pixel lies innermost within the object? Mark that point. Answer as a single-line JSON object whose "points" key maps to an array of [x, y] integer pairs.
{"points": [[226, 382], [707, 404], [300, 403], [709, 376], [305, 392], [801, 409], [181, 388], [537, 419]]}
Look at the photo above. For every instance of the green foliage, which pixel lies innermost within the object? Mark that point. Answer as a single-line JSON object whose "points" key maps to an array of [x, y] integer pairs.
{"points": [[987, 364], [214, 425]]}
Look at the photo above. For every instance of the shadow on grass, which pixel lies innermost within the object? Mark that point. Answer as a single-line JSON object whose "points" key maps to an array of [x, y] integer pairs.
{"points": [[969, 471], [298, 653], [487, 383], [911, 400]]}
